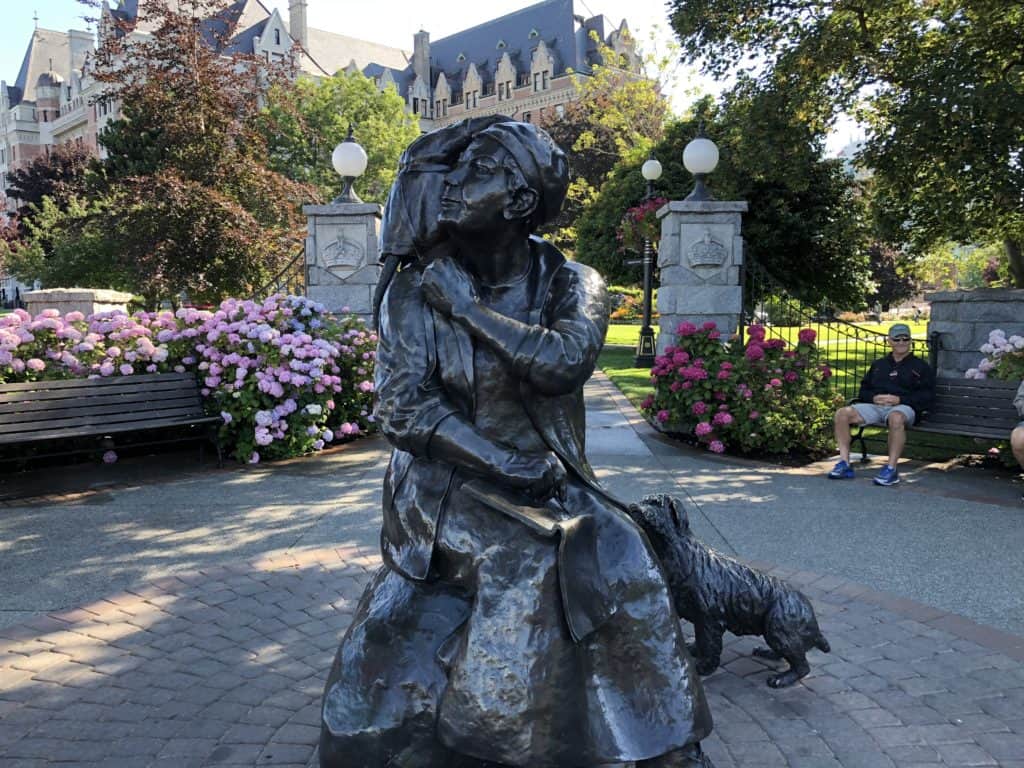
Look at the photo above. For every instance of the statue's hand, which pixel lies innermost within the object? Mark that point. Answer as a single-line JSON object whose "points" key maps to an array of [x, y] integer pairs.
{"points": [[540, 475], [447, 286]]}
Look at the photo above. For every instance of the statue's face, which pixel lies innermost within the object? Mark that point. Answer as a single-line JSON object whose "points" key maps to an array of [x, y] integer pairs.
{"points": [[476, 193]]}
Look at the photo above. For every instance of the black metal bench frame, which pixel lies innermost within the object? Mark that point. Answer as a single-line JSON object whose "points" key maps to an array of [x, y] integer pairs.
{"points": [[43, 411], [980, 408]]}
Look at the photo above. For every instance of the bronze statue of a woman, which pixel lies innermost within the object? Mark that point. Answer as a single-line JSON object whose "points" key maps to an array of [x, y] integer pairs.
{"points": [[520, 618]]}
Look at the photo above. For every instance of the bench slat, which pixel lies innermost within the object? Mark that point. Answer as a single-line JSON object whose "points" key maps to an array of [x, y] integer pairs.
{"points": [[48, 411], [73, 394], [939, 429], [102, 422], [57, 434], [981, 410], [109, 381], [125, 400]]}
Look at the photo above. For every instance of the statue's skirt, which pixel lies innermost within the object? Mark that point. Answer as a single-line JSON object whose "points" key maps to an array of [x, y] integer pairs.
{"points": [[477, 665]]}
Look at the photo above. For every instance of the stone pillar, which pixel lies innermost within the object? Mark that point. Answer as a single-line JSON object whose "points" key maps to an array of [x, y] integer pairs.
{"points": [[342, 252], [701, 258], [964, 319]]}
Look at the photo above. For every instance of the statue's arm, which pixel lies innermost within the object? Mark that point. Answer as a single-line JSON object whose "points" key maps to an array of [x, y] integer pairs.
{"points": [[413, 412], [558, 358]]}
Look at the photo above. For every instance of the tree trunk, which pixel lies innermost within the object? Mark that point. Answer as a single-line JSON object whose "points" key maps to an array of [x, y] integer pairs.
{"points": [[1015, 255]]}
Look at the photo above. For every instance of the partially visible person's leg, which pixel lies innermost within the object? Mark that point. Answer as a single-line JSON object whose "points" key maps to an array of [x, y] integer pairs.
{"points": [[1017, 444]]}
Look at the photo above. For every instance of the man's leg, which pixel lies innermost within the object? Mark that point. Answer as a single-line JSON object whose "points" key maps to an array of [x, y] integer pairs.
{"points": [[1017, 444], [845, 418], [897, 423]]}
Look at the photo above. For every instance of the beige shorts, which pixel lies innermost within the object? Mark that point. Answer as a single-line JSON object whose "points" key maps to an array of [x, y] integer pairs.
{"points": [[879, 414]]}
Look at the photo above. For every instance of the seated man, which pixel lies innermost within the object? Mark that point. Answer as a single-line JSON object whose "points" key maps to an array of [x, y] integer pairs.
{"points": [[1017, 436], [894, 391]]}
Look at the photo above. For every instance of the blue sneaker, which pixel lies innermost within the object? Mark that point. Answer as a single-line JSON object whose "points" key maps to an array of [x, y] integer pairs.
{"points": [[887, 476], [841, 471]]}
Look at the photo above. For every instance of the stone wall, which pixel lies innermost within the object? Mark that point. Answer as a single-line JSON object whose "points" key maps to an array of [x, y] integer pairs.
{"points": [[964, 320], [88, 301]]}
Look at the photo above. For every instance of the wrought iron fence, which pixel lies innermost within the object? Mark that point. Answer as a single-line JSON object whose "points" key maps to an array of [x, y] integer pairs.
{"points": [[847, 348], [290, 280]]}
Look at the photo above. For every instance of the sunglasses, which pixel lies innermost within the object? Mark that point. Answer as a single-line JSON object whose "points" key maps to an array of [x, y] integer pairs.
{"points": [[901, 338]]}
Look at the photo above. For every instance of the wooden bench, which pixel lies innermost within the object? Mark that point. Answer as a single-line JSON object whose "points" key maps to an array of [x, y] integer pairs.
{"points": [[33, 412], [981, 408]]}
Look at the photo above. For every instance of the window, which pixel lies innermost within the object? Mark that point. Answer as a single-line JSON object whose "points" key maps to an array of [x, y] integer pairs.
{"points": [[544, 80], [437, 107], [536, 81], [508, 88], [526, 117], [444, 107], [560, 110], [501, 91], [277, 37], [415, 105]]}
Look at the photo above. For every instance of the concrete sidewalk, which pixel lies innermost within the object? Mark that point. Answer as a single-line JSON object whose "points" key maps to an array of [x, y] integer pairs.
{"points": [[169, 618]]}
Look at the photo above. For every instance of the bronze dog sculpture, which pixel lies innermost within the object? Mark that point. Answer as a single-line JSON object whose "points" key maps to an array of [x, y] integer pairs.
{"points": [[715, 593]]}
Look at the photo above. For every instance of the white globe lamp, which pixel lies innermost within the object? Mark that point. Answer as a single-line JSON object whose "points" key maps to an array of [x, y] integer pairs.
{"points": [[349, 160], [700, 158], [651, 169]]}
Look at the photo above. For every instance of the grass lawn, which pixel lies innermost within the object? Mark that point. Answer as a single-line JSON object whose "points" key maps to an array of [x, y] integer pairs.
{"points": [[617, 363]]}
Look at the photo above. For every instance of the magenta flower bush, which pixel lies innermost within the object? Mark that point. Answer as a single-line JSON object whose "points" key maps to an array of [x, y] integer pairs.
{"points": [[762, 397], [285, 377], [1004, 358]]}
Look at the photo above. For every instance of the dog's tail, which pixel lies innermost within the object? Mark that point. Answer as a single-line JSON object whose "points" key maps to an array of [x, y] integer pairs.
{"points": [[822, 644]]}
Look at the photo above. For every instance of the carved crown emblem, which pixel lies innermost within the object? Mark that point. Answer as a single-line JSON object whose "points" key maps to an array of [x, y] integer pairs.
{"points": [[707, 252], [343, 256]]}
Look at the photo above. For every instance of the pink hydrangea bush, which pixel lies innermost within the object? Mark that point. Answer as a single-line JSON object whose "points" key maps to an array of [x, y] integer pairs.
{"points": [[1004, 358], [760, 397], [285, 377]]}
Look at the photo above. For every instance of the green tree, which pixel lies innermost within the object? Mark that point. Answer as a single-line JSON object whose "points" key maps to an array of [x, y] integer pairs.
{"points": [[805, 223], [939, 84], [618, 116], [303, 122], [184, 200]]}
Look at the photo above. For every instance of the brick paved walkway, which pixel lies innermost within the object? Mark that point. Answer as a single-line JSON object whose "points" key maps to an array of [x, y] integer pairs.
{"points": [[225, 667]]}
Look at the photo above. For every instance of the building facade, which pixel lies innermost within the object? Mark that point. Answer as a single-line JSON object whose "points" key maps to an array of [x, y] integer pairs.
{"points": [[520, 64]]}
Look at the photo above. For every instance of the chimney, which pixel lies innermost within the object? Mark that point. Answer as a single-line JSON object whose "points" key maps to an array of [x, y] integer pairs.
{"points": [[297, 22], [421, 56]]}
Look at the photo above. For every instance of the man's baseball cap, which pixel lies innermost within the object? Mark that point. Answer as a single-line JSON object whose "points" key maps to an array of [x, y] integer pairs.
{"points": [[899, 329]]}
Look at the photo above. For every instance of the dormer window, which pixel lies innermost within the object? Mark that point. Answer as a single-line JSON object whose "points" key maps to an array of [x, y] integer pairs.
{"points": [[461, 57], [277, 37], [501, 45], [534, 33]]}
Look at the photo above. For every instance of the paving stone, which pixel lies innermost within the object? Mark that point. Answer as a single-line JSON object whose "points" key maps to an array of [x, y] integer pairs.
{"points": [[231, 675]]}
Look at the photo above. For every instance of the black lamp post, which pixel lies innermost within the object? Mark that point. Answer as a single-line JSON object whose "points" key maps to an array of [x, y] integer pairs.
{"points": [[651, 171]]}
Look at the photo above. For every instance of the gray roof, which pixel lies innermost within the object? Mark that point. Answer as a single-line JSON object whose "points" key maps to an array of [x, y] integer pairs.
{"points": [[47, 50], [333, 52], [552, 20]]}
